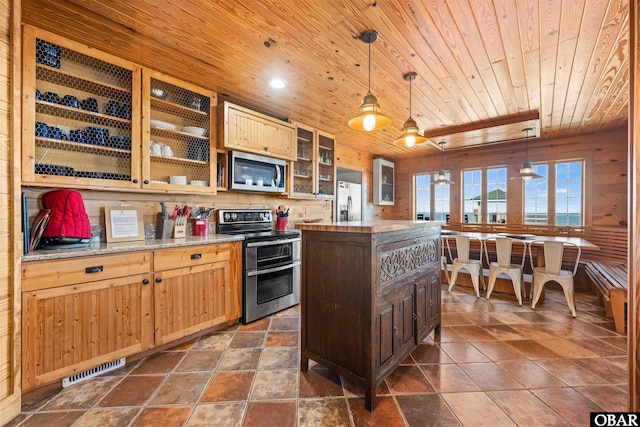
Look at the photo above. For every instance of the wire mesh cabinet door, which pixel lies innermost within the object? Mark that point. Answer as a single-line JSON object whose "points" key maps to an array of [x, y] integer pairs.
{"points": [[178, 138], [81, 115]]}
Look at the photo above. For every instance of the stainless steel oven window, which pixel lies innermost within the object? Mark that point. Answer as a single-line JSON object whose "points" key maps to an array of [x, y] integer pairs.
{"points": [[267, 254]]}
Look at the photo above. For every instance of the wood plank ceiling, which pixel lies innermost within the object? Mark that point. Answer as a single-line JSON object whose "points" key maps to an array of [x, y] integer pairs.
{"points": [[559, 65]]}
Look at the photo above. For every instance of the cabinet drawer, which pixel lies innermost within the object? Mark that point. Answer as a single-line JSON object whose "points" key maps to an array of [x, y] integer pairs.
{"points": [[167, 259], [49, 274]]}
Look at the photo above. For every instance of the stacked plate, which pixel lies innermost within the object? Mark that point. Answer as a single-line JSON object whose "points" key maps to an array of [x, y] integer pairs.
{"points": [[159, 124], [194, 130]]}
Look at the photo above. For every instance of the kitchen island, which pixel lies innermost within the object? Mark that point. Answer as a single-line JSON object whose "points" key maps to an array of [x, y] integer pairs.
{"points": [[370, 294]]}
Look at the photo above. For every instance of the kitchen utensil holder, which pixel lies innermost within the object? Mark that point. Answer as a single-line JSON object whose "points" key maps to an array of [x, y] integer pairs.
{"points": [[200, 227], [164, 227], [281, 223]]}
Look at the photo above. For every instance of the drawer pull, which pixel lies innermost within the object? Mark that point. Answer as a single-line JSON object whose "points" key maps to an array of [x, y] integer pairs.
{"points": [[158, 279], [145, 282], [196, 256], [95, 269]]}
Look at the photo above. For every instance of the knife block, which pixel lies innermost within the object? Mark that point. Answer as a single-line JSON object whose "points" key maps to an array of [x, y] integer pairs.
{"points": [[164, 228]]}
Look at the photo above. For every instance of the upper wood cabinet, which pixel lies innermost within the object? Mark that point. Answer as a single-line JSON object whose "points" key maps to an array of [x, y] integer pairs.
{"points": [[383, 182], [93, 120], [242, 129], [176, 140], [313, 171], [81, 115]]}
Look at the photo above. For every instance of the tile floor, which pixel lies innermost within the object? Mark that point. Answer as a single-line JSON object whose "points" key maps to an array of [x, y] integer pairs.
{"points": [[495, 364]]}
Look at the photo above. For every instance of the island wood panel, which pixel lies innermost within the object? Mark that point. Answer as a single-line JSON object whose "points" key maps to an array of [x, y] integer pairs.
{"points": [[477, 61], [633, 321], [72, 328]]}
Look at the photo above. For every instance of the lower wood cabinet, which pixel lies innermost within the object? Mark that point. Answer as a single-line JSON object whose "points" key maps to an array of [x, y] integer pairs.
{"points": [[368, 299], [78, 313], [204, 291], [99, 309]]}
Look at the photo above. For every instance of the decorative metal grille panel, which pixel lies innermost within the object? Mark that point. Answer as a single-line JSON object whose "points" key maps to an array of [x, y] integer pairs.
{"points": [[396, 263], [83, 115]]}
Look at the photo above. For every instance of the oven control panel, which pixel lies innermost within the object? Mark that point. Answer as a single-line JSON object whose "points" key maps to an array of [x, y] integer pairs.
{"points": [[228, 216]]}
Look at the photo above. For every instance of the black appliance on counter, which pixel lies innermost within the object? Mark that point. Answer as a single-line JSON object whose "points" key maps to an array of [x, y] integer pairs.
{"points": [[270, 264]]}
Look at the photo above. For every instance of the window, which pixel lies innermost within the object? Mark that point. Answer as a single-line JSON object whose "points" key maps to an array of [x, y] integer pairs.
{"points": [[423, 197], [442, 199], [536, 201], [432, 201], [569, 193], [563, 206], [472, 196], [497, 195]]}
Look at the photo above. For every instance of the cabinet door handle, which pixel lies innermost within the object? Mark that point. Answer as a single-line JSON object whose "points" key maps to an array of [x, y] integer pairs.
{"points": [[135, 181], [395, 330], [145, 282], [158, 279], [146, 181], [94, 269], [415, 316], [196, 256]]}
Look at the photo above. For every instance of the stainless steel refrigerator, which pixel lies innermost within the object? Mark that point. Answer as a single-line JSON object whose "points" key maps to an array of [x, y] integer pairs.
{"points": [[349, 202]]}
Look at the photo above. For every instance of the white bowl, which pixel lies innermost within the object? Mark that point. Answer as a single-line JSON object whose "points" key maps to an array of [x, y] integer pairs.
{"points": [[158, 93], [162, 125], [193, 130], [199, 183], [178, 180]]}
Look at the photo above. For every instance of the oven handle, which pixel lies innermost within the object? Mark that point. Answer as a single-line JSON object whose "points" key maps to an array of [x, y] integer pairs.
{"points": [[271, 242], [273, 270]]}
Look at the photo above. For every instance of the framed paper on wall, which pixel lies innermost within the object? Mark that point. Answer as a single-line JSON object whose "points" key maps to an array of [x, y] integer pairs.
{"points": [[123, 224]]}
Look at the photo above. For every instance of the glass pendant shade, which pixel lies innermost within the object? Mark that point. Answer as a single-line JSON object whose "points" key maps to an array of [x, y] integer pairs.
{"points": [[526, 171], [370, 117], [410, 133], [441, 179]]}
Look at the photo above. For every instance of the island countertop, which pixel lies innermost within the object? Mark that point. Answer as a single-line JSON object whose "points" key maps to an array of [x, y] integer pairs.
{"points": [[372, 227]]}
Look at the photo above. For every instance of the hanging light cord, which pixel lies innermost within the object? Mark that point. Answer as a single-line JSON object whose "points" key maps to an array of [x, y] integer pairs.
{"points": [[410, 84], [369, 88], [526, 143]]}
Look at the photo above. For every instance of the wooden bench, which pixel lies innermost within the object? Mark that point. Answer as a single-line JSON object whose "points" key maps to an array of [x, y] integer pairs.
{"points": [[612, 279]]}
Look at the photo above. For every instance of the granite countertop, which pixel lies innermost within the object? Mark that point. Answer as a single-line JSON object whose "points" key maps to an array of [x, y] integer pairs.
{"points": [[98, 247], [380, 226]]}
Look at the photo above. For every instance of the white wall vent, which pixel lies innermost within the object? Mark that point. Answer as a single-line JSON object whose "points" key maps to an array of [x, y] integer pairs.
{"points": [[89, 373]]}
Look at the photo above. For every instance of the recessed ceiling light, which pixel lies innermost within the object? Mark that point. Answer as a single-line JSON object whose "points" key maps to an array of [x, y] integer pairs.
{"points": [[277, 83]]}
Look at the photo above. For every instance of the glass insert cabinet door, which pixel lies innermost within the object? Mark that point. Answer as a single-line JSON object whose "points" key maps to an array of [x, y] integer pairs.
{"points": [[383, 182]]}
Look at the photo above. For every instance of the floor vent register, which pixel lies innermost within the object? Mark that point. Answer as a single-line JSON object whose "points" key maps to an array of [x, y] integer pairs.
{"points": [[90, 373]]}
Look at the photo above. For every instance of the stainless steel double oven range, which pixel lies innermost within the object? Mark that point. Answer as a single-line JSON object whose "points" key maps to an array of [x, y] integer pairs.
{"points": [[271, 261]]}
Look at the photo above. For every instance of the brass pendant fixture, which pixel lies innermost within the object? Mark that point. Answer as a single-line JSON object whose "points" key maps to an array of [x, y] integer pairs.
{"points": [[370, 117], [410, 133], [526, 171], [441, 179]]}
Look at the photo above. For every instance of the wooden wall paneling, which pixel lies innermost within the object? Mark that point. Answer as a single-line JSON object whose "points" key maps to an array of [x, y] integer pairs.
{"points": [[10, 233], [633, 298], [605, 174]]}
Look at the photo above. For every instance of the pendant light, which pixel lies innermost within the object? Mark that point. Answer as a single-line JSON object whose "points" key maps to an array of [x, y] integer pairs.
{"points": [[410, 132], [369, 118], [526, 171], [441, 179]]}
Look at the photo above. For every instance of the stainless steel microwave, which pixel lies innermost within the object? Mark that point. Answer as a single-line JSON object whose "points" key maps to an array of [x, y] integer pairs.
{"points": [[252, 172]]}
